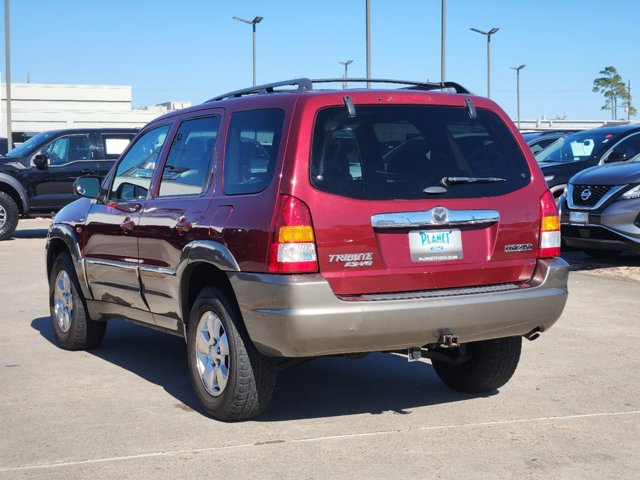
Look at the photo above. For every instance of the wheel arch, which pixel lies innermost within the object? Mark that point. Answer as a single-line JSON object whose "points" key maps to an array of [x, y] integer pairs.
{"points": [[195, 278], [63, 238], [16, 191], [207, 263]]}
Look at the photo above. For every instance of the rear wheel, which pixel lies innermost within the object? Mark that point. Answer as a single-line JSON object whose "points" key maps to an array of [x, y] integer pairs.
{"points": [[603, 253], [8, 215], [71, 324], [489, 365], [232, 380]]}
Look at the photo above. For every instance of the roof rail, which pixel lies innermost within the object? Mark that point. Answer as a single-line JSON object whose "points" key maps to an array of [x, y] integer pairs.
{"points": [[305, 84], [302, 84], [413, 85]]}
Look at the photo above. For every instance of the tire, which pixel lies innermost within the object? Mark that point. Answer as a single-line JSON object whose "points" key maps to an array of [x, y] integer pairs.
{"points": [[603, 253], [73, 328], [232, 380], [9, 214], [491, 365]]}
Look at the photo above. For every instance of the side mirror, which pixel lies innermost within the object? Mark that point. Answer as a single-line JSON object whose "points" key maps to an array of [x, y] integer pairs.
{"points": [[41, 160], [87, 187], [616, 156]]}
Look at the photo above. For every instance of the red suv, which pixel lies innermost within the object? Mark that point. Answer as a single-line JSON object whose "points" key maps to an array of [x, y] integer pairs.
{"points": [[284, 221]]}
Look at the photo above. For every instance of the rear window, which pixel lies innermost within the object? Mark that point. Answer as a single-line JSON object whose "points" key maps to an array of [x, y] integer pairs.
{"points": [[396, 152]]}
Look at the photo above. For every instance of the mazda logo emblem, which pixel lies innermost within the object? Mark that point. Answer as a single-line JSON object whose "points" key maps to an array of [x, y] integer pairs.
{"points": [[586, 193], [440, 215]]}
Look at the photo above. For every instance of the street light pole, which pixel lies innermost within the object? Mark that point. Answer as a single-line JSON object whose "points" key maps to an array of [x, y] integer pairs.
{"points": [[488, 35], [517, 69], [368, 42], [7, 52], [346, 64], [443, 41], [253, 24]]}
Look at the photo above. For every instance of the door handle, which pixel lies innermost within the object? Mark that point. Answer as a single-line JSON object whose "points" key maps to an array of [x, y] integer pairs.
{"points": [[87, 170], [183, 225], [127, 225]]}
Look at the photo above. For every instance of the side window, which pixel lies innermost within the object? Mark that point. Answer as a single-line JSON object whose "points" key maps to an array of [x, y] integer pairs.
{"points": [[630, 147], [114, 144], [134, 172], [252, 148], [188, 166], [67, 149]]}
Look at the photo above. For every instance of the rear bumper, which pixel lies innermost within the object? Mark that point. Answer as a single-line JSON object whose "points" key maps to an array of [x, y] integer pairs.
{"points": [[299, 315]]}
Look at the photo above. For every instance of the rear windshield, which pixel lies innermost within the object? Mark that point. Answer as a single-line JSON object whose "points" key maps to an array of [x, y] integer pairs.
{"points": [[396, 152], [575, 148]]}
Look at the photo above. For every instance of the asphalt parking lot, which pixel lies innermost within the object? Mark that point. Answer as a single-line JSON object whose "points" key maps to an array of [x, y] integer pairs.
{"points": [[126, 410]]}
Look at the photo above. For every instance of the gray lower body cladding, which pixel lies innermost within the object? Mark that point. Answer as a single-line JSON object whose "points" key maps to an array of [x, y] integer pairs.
{"points": [[300, 316]]}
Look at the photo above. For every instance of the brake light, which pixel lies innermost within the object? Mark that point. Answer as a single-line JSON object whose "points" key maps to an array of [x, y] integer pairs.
{"points": [[549, 227], [292, 248]]}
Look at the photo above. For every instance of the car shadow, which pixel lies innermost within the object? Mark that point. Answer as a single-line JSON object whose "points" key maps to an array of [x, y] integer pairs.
{"points": [[580, 261], [323, 387]]}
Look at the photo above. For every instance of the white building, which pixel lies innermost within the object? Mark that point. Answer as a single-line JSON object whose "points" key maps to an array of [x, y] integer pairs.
{"points": [[36, 107]]}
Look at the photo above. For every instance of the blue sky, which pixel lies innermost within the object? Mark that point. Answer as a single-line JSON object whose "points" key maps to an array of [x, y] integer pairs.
{"points": [[192, 50]]}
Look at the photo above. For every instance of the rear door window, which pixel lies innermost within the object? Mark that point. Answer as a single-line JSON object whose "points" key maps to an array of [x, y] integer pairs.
{"points": [[396, 152], [252, 148], [188, 167], [113, 144]]}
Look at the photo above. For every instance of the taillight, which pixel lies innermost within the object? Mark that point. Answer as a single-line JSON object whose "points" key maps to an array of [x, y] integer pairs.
{"points": [[549, 227], [292, 248]]}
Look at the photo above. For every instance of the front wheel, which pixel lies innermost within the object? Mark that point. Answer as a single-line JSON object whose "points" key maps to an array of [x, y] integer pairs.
{"points": [[71, 323], [232, 380], [8, 216], [489, 365]]}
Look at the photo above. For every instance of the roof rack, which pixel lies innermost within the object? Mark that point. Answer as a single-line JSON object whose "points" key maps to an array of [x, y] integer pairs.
{"points": [[413, 85], [302, 84], [305, 84]]}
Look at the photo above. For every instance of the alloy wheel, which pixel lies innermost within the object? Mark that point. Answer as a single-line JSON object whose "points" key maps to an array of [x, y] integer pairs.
{"points": [[212, 353], [63, 301]]}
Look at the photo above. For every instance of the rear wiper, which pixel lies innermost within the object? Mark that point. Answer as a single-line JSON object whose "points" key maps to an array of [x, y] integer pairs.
{"points": [[457, 180]]}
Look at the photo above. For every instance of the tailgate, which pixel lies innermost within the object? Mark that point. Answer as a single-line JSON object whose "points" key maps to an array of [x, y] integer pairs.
{"points": [[418, 197], [425, 246]]}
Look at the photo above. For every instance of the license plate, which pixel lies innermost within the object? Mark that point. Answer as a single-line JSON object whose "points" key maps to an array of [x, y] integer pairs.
{"points": [[435, 245], [579, 218]]}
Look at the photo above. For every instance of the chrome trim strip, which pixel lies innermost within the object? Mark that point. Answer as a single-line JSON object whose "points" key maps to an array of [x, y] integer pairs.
{"points": [[112, 263], [428, 219], [162, 270], [605, 197]]}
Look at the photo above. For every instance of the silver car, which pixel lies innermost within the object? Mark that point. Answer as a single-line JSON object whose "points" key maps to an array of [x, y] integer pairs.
{"points": [[600, 209]]}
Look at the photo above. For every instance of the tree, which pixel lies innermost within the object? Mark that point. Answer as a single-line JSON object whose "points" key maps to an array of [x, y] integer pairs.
{"points": [[612, 87], [626, 103]]}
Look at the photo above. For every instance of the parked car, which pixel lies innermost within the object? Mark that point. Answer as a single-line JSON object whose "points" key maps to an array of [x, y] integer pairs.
{"points": [[581, 150], [538, 141], [601, 209], [282, 222], [36, 178]]}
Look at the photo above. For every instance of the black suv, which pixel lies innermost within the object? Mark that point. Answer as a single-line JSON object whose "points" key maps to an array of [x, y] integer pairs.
{"points": [[37, 176], [581, 150]]}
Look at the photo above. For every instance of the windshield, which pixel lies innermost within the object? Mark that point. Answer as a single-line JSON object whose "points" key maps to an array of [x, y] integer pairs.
{"points": [[30, 145], [574, 148]]}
